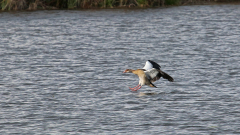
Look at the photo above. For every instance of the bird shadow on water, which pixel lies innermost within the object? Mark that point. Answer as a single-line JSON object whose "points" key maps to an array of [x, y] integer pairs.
{"points": [[149, 93]]}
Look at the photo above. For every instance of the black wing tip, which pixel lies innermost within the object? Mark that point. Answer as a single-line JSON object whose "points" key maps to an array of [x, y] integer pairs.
{"points": [[166, 76], [171, 79], [151, 61], [155, 65]]}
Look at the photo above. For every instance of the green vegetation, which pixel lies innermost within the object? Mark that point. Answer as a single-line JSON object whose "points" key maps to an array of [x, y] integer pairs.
{"points": [[84, 4], [13, 4], [172, 2]]}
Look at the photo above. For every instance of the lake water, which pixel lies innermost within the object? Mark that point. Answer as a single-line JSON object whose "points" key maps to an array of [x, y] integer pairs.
{"points": [[61, 71]]}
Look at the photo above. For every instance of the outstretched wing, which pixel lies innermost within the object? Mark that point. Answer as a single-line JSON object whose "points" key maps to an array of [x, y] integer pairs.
{"points": [[151, 64], [166, 76], [153, 74]]}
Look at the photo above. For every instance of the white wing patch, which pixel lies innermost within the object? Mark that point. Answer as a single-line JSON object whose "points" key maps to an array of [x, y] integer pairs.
{"points": [[148, 66]]}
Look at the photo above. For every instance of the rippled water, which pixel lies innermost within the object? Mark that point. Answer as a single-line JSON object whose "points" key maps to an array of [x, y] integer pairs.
{"points": [[61, 71]]}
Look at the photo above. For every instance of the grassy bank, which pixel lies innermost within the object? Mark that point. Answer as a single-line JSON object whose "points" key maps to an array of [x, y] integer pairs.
{"points": [[85, 4]]}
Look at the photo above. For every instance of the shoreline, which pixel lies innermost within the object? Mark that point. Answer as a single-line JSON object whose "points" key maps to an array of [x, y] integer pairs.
{"points": [[22, 5]]}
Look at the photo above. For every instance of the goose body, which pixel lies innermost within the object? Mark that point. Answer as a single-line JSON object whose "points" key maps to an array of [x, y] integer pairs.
{"points": [[148, 74]]}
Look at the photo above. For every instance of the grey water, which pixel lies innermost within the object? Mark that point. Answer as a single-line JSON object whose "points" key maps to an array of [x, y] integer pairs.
{"points": [[61, 71]]}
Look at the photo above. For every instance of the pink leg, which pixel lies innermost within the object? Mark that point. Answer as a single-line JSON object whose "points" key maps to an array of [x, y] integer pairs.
{"points": [[135, 88]]}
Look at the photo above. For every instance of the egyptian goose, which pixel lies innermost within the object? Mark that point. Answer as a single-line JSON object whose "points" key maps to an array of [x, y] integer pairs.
{"points": [[148, 74]]}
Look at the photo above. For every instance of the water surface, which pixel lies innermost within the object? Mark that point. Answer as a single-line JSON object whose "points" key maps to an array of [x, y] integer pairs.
{"points": [[61, 71]]}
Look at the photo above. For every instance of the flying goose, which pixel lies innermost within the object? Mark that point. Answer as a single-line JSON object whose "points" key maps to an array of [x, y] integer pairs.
{"points": [[150, 73]]}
